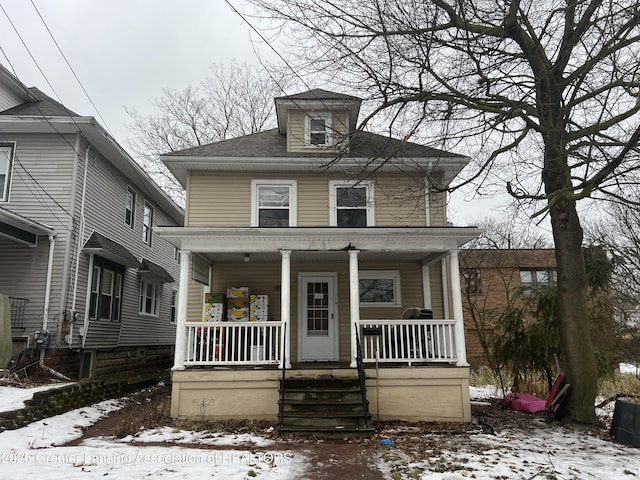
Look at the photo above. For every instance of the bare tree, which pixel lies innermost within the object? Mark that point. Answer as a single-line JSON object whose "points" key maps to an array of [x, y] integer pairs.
{"points": [[548, 88], [234, 100], [508, 233]]}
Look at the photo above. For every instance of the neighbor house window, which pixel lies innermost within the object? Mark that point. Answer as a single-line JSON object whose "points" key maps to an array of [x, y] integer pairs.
{"points": [[317, 130], [105, 300], [273, 203], [147, 223], [174, 305], [379, 288], [351, 204], [149, 297], [471, 277], [534, 279], [130, 208], [7, 151]]}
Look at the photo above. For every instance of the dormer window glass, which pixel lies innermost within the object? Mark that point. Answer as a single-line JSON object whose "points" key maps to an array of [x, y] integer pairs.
{"points": [[318, 130]]}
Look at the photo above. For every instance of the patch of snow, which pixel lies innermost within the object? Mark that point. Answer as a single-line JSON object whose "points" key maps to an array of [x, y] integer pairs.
{"points": [[168, 434], [13, 398], [629, 368]]}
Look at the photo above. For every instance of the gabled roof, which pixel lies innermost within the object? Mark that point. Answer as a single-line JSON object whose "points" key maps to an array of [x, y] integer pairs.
{"points": [[319, 94]]}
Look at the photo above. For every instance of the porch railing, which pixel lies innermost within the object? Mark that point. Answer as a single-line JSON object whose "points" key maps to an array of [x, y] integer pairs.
{"points": [[233, 343], [408, 341]]}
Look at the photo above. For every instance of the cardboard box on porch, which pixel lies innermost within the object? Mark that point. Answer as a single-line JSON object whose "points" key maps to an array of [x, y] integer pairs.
{"points": [[238, 292]]}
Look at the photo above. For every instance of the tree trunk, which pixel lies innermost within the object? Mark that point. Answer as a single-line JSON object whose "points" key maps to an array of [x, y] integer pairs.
{"points": [[575, 338]]}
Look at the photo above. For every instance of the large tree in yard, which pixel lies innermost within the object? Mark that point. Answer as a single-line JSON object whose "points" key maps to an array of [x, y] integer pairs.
{"points": [[545, 94]]}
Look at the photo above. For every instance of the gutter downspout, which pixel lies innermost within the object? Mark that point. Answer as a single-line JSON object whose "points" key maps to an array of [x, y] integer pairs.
{"points": [[81, 228], [44, 334]]}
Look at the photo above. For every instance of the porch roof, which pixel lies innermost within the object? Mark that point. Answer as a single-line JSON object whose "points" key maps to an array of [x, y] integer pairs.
{"points": [[263, 244], [21, 229]]}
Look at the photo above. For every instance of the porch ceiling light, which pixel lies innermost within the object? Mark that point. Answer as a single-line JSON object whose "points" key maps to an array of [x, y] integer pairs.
{"points": [[247, 257]]}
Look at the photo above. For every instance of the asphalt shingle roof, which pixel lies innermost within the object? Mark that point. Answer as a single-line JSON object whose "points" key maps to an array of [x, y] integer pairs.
{"points": [[47, 106], [270, 143]]}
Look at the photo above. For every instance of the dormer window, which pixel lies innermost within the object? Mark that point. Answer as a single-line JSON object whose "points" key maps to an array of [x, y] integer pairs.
{"points": [[317, 130]]}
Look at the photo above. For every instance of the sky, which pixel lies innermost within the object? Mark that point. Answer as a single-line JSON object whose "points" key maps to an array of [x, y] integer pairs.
{"points": [[124, 54]]}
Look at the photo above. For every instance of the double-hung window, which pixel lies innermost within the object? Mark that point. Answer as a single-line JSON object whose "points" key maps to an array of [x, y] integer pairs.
{"points": [[273, 203], [105, 301], [147, 223], [351, 204], [7, 151], [317, 130], [149, 297], [130, 208]]}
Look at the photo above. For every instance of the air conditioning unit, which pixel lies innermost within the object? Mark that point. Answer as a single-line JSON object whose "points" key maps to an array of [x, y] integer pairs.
{"points": [[200, 269]]}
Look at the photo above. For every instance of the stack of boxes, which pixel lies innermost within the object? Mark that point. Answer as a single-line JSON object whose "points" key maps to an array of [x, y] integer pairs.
{"points": [[238, 304], [259, 308], [213, 308]]}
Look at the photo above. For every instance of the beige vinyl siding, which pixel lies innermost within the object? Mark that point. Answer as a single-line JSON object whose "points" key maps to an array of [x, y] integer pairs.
{"points": [[264, 278], [296, 125], [437, 203], [224, 199]]}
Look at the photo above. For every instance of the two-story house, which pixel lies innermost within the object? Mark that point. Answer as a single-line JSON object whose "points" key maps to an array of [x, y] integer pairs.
{"points": [[330, 235], [92, 287]]}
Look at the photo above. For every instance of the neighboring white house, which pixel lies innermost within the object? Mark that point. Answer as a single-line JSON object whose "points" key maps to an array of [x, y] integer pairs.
{"points": [[91, 284]]}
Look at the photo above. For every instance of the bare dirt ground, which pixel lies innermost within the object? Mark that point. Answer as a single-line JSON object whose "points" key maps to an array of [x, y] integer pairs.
{"points": [[348, 458]]}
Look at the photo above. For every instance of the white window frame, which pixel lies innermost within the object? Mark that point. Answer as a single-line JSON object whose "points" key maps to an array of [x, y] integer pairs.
{"points": [[529, 288], [328, 121], [5, 187], [333, 204], [293, 199], [130, 195], [147, 223], [174, 305], [155, 297], [393, 275], [98, 295]]}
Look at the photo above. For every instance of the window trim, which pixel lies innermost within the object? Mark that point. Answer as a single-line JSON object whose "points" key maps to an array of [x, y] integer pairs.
{"points": [[393, 275], [157, 295], [96, 291], [293, 199], [147, 228], [130, 193], [328, 121], [174, 306], [5, 188], [333, 204]]}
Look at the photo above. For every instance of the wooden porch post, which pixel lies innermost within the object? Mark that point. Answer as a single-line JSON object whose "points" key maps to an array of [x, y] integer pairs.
{"points": [[285, 305], [354, 301], [180, 351], [456, 300]]}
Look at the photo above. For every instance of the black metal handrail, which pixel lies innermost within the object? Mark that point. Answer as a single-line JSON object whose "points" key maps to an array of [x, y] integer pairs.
{"points": [[362, 379], [284, 370]]}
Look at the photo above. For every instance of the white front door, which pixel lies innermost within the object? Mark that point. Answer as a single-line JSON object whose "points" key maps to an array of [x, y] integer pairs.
{"points": [[318, 322]]}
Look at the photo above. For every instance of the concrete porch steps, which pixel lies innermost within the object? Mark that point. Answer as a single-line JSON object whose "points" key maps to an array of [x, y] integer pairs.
{"points": [[323, 407]]}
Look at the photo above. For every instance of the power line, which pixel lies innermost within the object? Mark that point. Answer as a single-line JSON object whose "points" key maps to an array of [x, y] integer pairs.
{"points": [[70, 67]]}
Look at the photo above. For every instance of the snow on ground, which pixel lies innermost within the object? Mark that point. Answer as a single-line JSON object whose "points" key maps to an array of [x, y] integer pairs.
{"points": [[540, 450], [12, 398]]}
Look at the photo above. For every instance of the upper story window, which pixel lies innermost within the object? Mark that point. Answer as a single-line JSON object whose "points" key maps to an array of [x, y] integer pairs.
{"points": [[533, 279], [130, 207], [273, 203], [106, 291], [7, 151], [351, 204], [147, 223], [317, 130]]}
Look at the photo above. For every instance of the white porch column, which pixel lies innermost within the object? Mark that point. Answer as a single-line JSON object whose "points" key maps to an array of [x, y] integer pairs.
{"points": [[426, 287], [354, 301], [456, 301], [285, 306], [445, 289], [180, 351]]}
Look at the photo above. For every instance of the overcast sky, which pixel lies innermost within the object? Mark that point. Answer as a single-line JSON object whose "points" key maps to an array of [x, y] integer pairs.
{"points": [[126, 51]]}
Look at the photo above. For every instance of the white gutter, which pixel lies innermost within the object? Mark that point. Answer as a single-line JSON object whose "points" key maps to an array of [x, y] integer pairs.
{"points": [[47, 290]]}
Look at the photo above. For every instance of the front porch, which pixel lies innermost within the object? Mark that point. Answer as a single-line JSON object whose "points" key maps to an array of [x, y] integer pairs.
{"points": [[320, 326]]}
